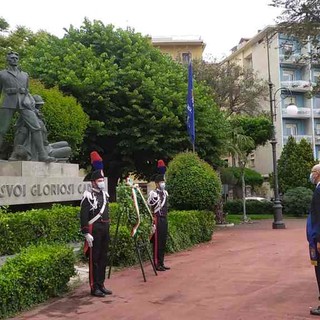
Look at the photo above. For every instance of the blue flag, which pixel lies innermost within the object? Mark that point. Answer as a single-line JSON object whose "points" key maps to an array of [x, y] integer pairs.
{"points": [[190, 106]]}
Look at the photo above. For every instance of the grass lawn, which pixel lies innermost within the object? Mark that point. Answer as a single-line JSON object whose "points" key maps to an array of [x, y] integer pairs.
{"points": [[237, 218]]}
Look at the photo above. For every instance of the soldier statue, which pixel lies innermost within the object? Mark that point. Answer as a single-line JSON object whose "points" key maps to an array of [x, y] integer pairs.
{"points": [[15, 97]]}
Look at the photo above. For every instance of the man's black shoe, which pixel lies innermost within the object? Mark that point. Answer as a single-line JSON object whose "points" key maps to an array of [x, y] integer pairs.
{"points": [[167, 268], [315, 311], [97, 293], [160, 268], [105, 290]]}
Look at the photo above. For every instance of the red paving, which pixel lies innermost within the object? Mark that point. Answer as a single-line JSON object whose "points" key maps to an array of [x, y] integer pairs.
{"points": [[247, 272]]}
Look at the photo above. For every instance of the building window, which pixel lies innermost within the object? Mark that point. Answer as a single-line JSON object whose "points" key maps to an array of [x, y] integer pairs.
{"points": [[287, 49], [287, 75], [291, 129], [318, 129], [317, 102], [251, 160], [186, 57], [316, 75]]}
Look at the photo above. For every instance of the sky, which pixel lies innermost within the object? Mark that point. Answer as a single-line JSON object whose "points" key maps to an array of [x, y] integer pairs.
{"points": [[219, 23]]}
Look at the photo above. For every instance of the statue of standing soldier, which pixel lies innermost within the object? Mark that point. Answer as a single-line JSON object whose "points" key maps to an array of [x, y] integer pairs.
{"points": [[15, 97]]}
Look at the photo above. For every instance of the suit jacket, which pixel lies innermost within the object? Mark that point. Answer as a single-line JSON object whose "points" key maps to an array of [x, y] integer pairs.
{"points": [[315, 213], [13, 88]]}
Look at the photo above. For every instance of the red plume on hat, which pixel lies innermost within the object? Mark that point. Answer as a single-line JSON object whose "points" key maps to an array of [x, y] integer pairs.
{"points": [[161, 167], [97, 167], [96, 160]]}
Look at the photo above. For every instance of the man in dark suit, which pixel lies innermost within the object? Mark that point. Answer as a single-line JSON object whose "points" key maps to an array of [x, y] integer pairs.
{"points": [[313, 229], [15, 96]]}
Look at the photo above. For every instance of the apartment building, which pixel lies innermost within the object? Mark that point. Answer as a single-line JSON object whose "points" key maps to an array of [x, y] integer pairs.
{"points": [[294, 70], [180, 48]]}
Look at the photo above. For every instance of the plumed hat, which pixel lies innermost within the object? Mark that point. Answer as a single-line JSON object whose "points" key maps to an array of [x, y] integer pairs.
{"points": [[96, 174], [158, 178]]}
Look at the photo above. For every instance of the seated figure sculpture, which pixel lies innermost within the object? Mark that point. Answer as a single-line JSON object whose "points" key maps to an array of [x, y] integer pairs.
{"points": [[60, 151]]}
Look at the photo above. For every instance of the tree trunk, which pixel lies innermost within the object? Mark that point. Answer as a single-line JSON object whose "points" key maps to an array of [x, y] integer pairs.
{"points": [[245, 218], [112, 188]]}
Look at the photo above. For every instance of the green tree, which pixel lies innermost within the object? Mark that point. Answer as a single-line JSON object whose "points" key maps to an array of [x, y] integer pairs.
{"points": [[235, 90], [134, 95], [258, 128], [17, 40], [299, 18], [247, 134], [192, 183], [232, 175], [294, 165], [4, 25]]}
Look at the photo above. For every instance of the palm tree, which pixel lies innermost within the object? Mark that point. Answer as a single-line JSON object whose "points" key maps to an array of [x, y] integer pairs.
{"points": [[239, 147]]}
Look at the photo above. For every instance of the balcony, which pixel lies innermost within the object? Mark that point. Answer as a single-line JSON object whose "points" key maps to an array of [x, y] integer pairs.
{"points": [[302, 113], [316, 113], [298, 138], [298, 85], [292, 59]]}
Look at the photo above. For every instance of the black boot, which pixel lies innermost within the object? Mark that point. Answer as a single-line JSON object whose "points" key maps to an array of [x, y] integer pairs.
{"points": [[97, 293], [167, 268], [105, 290], [160, 268]]}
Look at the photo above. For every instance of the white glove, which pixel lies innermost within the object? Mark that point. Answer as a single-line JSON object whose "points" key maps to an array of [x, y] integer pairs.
{"points": [[89, 239]]}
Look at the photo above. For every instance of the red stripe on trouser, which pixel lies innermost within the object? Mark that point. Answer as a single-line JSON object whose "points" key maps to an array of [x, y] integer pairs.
{"points": [[90, 261], [155, 243]]}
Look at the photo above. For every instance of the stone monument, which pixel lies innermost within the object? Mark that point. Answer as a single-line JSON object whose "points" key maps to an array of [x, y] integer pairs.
{"points": [[37, 171], [15, 97]]}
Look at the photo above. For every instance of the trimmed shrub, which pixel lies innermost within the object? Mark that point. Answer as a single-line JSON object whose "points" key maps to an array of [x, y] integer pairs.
{"points": [[58, 224], [186, 228], [252, 207], [233, 206], [33, 276], [125, 254], [297, 201], [192, 183]]}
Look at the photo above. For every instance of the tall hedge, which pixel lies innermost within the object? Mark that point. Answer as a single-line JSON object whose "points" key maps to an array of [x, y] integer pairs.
{"points": [[192, 183], [58, 224]]}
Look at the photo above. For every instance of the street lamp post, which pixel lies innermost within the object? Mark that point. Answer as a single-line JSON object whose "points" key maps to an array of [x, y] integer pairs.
{"points": [[291, 110], [277, 207]]}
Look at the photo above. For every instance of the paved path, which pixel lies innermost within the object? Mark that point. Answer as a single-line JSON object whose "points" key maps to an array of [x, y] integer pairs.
{"points": [[247, 272]]}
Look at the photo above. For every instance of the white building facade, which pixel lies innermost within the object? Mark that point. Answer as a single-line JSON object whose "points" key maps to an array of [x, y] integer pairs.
{"points": [[294, 70]]}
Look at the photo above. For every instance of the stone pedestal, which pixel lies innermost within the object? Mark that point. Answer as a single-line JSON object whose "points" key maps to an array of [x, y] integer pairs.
{"points": [[27, 182]]}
